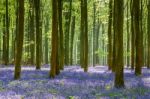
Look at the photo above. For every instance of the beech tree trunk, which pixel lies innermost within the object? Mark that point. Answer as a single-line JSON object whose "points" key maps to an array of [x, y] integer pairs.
{"points": [[19, 39], [118, 29]]}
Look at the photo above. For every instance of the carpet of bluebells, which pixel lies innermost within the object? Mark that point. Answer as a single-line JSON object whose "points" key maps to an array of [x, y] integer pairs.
{"points": [[72, 83]]}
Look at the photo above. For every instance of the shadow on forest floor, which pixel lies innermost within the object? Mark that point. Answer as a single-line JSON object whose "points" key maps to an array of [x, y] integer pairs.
{"points": [[72, 83]]}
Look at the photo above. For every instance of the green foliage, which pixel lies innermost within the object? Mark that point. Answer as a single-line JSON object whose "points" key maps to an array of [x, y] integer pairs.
{"points": [[101, 53], [71, 97], [26, 55]]}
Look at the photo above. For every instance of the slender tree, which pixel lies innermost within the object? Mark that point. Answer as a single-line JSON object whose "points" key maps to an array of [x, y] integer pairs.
{"points": [[32, 32], [114, 39], [136, 16], [72, 39], [68, 15], [94, 33], [16, 28], [118, 29], [6, 37], [97, 40], [128, 35], [19, 39], [84, 34], [46, 40], [61, 35], [132, 37], [38, 35], [81, 36], [109, 60], [4, 41], [103, 44], [148, 32], [7, 34], [54, 52]]}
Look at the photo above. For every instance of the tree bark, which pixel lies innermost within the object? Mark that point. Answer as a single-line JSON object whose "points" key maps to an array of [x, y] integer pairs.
{"points": [[136, 16], [32, 33], [148, 32], [72, 39], [118, 29], [68, 15], [109, 57], [84, 32], [94, 33], [54, 52], [38, 35], [133, 35], [19, 41], [6, 37], [61, 35]]}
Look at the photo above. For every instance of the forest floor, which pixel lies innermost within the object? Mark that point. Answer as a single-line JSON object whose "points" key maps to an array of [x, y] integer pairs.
{"points": [[72, 83]]}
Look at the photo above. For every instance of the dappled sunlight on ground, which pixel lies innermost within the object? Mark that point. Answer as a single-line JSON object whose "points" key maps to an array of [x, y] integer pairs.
{"points": [[72, 83]]}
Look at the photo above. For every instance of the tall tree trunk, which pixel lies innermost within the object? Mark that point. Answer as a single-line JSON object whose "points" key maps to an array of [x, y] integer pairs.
{"points": [[14, 32], [7, 34], [132, 38], [19, 39], [72, 39], [6, 37], [54, 52], [97, 41], [32, 33], [148, 32], [141, 31], [61, 35], [136, 16], [38, 35], [103, 45], [109, 57], [128, 36], [46, 40], [94, 33], [84, 32], [4, 40], [16, 28], [114, 39], [81, 36], [67, 32], [118, 28], [0, 45]]}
